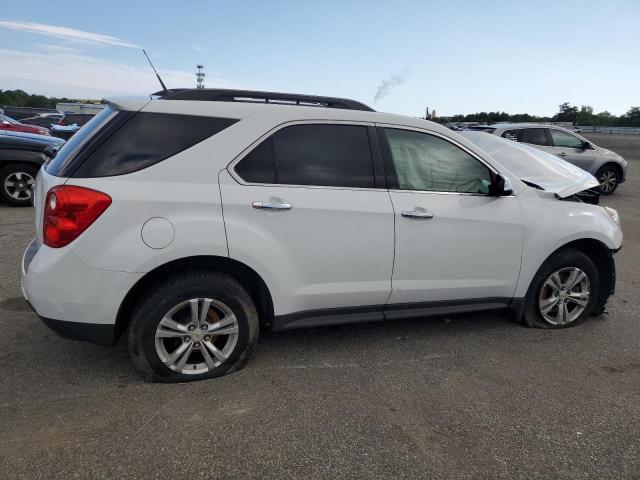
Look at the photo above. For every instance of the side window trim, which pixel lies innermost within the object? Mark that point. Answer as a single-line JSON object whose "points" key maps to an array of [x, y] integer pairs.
{"points": [[377, 171], [390, 170]]}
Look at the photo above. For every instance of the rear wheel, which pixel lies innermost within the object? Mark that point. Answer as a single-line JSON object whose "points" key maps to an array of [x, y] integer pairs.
{"points": [[193, 326], [564, 291], [609, 178], [16, 181]]}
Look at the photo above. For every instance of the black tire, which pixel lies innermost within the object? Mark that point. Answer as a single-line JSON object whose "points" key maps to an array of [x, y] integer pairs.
{"points": [[179, 288], [565, 258], [611, 174], [11, 170]]}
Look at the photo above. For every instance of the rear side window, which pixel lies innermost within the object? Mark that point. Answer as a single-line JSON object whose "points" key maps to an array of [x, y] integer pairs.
{"points": [[146, 139], [318, 154], [536, 136], [259, 165], [514, 135]]}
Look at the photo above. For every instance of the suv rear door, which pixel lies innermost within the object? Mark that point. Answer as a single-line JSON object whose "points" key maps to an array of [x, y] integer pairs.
{"points": [[454, 242], [307, 208]]}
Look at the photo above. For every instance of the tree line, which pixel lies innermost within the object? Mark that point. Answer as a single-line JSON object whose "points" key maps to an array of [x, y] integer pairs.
{"points": [[20, 98], [567, 113]]}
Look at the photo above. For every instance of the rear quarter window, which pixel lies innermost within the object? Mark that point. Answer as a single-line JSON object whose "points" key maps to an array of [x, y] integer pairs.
{"points": [[146, 139]]}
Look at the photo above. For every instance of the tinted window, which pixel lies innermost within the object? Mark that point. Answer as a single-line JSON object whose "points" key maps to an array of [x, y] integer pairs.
{"points": [[536, 136], [258, 165], [146, 139], [427, 162], [514, 135], [562, 139], [324, 155], [59, 166]]}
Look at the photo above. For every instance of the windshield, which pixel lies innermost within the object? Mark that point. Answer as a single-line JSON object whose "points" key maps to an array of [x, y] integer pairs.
{"points": [[67, 153]]}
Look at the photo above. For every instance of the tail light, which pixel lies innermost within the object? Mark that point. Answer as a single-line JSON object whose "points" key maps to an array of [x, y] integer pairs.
{"points": [[68, 211]]}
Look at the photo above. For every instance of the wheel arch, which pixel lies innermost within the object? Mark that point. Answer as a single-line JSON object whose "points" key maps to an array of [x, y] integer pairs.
{"points": [[601, 255], [611, 163], [245, 275]]}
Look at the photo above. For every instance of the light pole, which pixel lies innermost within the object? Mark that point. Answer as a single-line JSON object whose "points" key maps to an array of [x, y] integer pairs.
{"points": [[200, 77]]}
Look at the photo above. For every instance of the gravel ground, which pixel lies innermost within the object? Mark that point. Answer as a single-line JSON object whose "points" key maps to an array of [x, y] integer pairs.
{"points": [[470, 396]]}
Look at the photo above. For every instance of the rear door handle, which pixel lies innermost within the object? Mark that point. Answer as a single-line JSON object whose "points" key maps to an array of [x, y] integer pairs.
{"points": [[271, 205], [417, 214]]}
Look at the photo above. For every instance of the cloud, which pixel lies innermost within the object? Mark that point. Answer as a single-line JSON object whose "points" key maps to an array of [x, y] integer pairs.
{"points": [[66, 33], [57, 48], [389, 84], [82, 76], [197, 48]]}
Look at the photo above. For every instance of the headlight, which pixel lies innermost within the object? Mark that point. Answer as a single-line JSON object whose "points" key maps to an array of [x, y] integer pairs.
{"points": [[613, 214]]}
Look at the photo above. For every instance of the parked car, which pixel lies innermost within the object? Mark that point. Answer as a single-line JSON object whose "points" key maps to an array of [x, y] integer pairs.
{"points": [[11, 125], [608, 167], [46, 119], [191, 220], [61, 125], [537, 168], [21, 156]]}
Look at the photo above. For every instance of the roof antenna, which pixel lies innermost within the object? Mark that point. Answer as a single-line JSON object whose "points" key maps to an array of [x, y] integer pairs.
{"points": [[164, 88]]}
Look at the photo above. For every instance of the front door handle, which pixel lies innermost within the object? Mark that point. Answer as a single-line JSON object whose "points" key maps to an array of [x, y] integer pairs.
{"points": [[271, 205], [417, 214]]}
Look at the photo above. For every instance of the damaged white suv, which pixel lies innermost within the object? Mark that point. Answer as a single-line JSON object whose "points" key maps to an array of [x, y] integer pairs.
{"points": [[190, 220]]}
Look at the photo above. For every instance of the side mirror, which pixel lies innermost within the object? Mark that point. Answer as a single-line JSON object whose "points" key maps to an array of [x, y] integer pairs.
{"points": [[586, 145], [500, 187]]}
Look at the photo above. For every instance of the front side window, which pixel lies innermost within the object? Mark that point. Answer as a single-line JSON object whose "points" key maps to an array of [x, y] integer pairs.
{"points": [[536, 136], [562, 139], [430, 163], [312, 154]]}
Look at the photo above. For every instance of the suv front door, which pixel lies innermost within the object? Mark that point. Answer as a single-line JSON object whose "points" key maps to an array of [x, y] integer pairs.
{"points": [[454, 242], [570, 148], [305, 209]]}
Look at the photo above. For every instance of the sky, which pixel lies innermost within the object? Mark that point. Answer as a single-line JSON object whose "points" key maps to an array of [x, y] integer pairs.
{"points": [[400, 56]]}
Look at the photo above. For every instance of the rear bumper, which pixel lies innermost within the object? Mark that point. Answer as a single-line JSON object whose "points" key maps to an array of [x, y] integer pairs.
{"points": [[72, 299]]}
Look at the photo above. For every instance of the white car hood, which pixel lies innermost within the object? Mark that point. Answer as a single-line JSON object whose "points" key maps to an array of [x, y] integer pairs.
{"points": [[534, 166]]}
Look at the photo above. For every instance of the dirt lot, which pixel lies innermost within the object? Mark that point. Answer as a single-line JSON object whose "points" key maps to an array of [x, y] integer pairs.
{"points": [[471, 396]]}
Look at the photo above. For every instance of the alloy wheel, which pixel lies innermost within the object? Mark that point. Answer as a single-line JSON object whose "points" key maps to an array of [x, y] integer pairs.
{"points": [[196, 336], [564, 296], [608, 181], [18, 185]]}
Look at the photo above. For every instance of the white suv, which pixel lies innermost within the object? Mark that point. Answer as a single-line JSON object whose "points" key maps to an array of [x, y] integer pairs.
{"points": [[192, 219]]}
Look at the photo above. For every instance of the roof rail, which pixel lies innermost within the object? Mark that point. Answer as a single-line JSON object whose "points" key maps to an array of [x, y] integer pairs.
{"points": [[223, 95]]}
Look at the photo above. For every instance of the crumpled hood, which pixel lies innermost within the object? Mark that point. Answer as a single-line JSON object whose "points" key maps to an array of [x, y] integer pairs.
{"points": [[534, 166]]}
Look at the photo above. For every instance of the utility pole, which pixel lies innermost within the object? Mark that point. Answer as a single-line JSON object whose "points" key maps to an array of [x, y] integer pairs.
{"points": [[200, 77]]}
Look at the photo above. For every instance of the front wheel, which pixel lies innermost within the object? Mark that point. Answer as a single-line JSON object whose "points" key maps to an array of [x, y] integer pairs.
{"points": [[193, 326], [563, 292], [609, 178]]}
